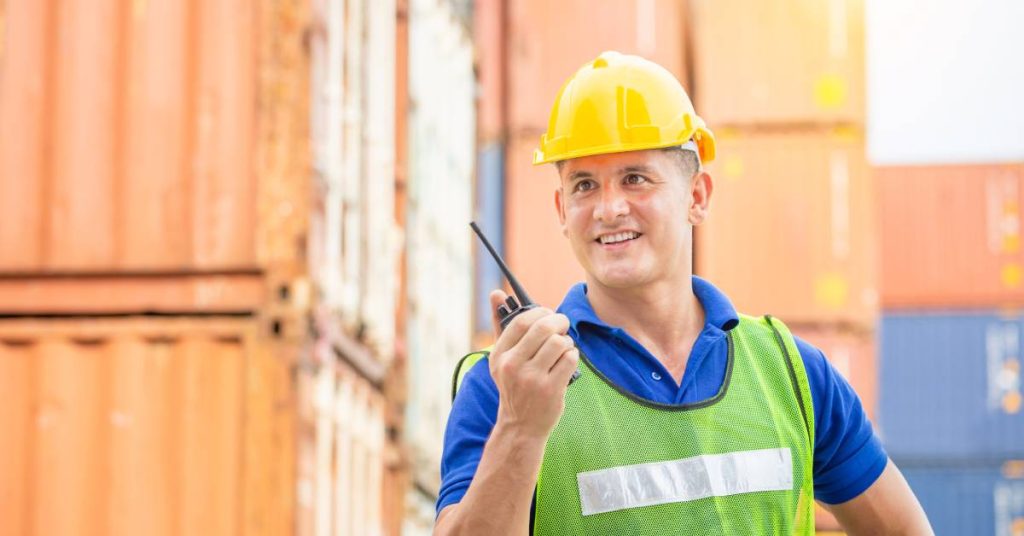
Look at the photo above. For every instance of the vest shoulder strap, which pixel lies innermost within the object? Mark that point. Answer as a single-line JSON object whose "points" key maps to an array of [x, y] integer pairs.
{"points": [[465, 364], [797, 374]]}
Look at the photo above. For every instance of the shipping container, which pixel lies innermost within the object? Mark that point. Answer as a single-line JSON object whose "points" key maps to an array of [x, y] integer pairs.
{"points": [[438, 240], [354, 238], [951, 235], [143, 426], [951, 385], [341, 465], [538, 253], [969, 499], [911, 55], [852, 353], [788, 62], [549, 41], [791, 230], [126, 137]]}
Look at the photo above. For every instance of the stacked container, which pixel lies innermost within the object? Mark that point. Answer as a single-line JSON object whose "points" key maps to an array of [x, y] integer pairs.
{"points": [[147, 390], [791, 230], [950, 193]]}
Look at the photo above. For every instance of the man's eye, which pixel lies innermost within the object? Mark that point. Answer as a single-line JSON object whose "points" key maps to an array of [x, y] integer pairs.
{"points": [[583, 186], [633, 178]]}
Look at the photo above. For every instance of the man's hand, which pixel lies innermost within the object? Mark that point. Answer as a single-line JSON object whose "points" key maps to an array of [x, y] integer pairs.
{"points": [[531, 363]]}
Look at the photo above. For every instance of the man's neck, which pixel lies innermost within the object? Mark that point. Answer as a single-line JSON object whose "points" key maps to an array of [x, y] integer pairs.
{"points": [[665, 317]]}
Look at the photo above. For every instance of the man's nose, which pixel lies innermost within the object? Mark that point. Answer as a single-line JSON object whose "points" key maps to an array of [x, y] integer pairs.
{"points": [[611, 205]]}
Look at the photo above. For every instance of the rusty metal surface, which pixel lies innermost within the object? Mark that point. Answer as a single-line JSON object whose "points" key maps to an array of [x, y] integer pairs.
{"points": [[126, 136], [127, 426], [125, 293]]}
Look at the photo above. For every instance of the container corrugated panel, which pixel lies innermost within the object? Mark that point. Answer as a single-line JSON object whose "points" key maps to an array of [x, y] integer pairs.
{"points": [[490, 216], [549, 41], [381, 238], [134, 426], [951, 386], [951, 235], [439, 260], [126, 136], [538, 253], [793, 61], [853, 356], [969, 499], [354, 240], [910, 55], [791, 230], [342, 456]]}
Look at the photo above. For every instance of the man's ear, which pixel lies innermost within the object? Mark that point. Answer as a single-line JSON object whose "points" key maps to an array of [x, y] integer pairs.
{"points": [[560, 209], [701, 187]]}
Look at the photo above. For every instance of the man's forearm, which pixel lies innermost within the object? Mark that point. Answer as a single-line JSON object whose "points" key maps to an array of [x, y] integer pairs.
{"points": [[498, 501]]}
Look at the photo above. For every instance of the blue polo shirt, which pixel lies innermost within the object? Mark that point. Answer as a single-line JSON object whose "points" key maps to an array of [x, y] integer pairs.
{"points": [[848, 457]]}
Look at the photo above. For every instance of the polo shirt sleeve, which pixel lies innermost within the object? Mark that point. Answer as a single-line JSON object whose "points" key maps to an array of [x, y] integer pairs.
{"points": [[474, 412], [848, 456]]}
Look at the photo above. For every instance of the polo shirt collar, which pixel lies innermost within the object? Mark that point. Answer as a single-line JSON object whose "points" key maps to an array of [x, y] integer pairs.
{"points": [[718, 310]]}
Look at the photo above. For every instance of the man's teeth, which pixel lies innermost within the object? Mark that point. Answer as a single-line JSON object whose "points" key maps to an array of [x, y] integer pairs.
{"points": [[618, 237]]}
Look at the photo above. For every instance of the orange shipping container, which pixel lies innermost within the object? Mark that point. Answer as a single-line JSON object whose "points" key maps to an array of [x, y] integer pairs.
{"points": [[126, 134], [951, 235], [791, 229], [791, 61], [549, 41], [142, 426]]}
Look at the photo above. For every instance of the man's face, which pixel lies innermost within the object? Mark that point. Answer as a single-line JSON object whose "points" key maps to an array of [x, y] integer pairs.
{"points": [[628, 216]]}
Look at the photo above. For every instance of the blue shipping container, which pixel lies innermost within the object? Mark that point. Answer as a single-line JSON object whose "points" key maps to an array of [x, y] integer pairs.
{"points": [[968, 500], [950, 387]]}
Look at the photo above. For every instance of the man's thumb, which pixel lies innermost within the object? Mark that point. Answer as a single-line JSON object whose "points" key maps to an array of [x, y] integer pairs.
{"points": [[497, 298]]}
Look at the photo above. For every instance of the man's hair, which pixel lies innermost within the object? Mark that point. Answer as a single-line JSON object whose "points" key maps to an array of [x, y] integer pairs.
{"points": [[687, 160]]}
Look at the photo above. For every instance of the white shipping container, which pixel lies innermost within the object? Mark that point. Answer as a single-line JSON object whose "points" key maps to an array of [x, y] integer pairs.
{"points": [[439, 254], [353, 236], [944, 82], [341, 454]]}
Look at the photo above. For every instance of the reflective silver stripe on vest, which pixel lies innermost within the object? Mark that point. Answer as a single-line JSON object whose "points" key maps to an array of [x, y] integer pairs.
{"points": [[688, 479]]}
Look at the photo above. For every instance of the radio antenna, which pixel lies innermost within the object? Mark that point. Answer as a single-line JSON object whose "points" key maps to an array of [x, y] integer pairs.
{"points": [[524, 298]]}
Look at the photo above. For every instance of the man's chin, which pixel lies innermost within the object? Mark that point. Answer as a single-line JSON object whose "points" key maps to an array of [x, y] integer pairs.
{"points": [[621, 280]]}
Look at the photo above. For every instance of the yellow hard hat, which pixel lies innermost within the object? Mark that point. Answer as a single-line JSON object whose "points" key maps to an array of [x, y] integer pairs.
{"points": [[620, 103]]}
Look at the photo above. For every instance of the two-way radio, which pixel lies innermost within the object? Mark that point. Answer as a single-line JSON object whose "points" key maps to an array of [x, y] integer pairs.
{"points": [[511, 308]]}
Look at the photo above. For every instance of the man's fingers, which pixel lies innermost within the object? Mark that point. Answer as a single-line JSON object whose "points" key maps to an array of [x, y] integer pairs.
{"points": [[566, 365], [540, 330], [517, 328], [550, 351]]}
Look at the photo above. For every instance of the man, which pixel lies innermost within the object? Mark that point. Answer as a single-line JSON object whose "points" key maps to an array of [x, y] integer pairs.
{"points": [[687, 417]]}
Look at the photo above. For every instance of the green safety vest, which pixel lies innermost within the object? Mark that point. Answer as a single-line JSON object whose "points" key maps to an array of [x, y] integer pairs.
{"points": [[738, 463]]}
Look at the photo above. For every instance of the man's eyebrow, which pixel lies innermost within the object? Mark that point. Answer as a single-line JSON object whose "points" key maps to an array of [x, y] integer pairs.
{"points": [[580, 174], [636, 168]]}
